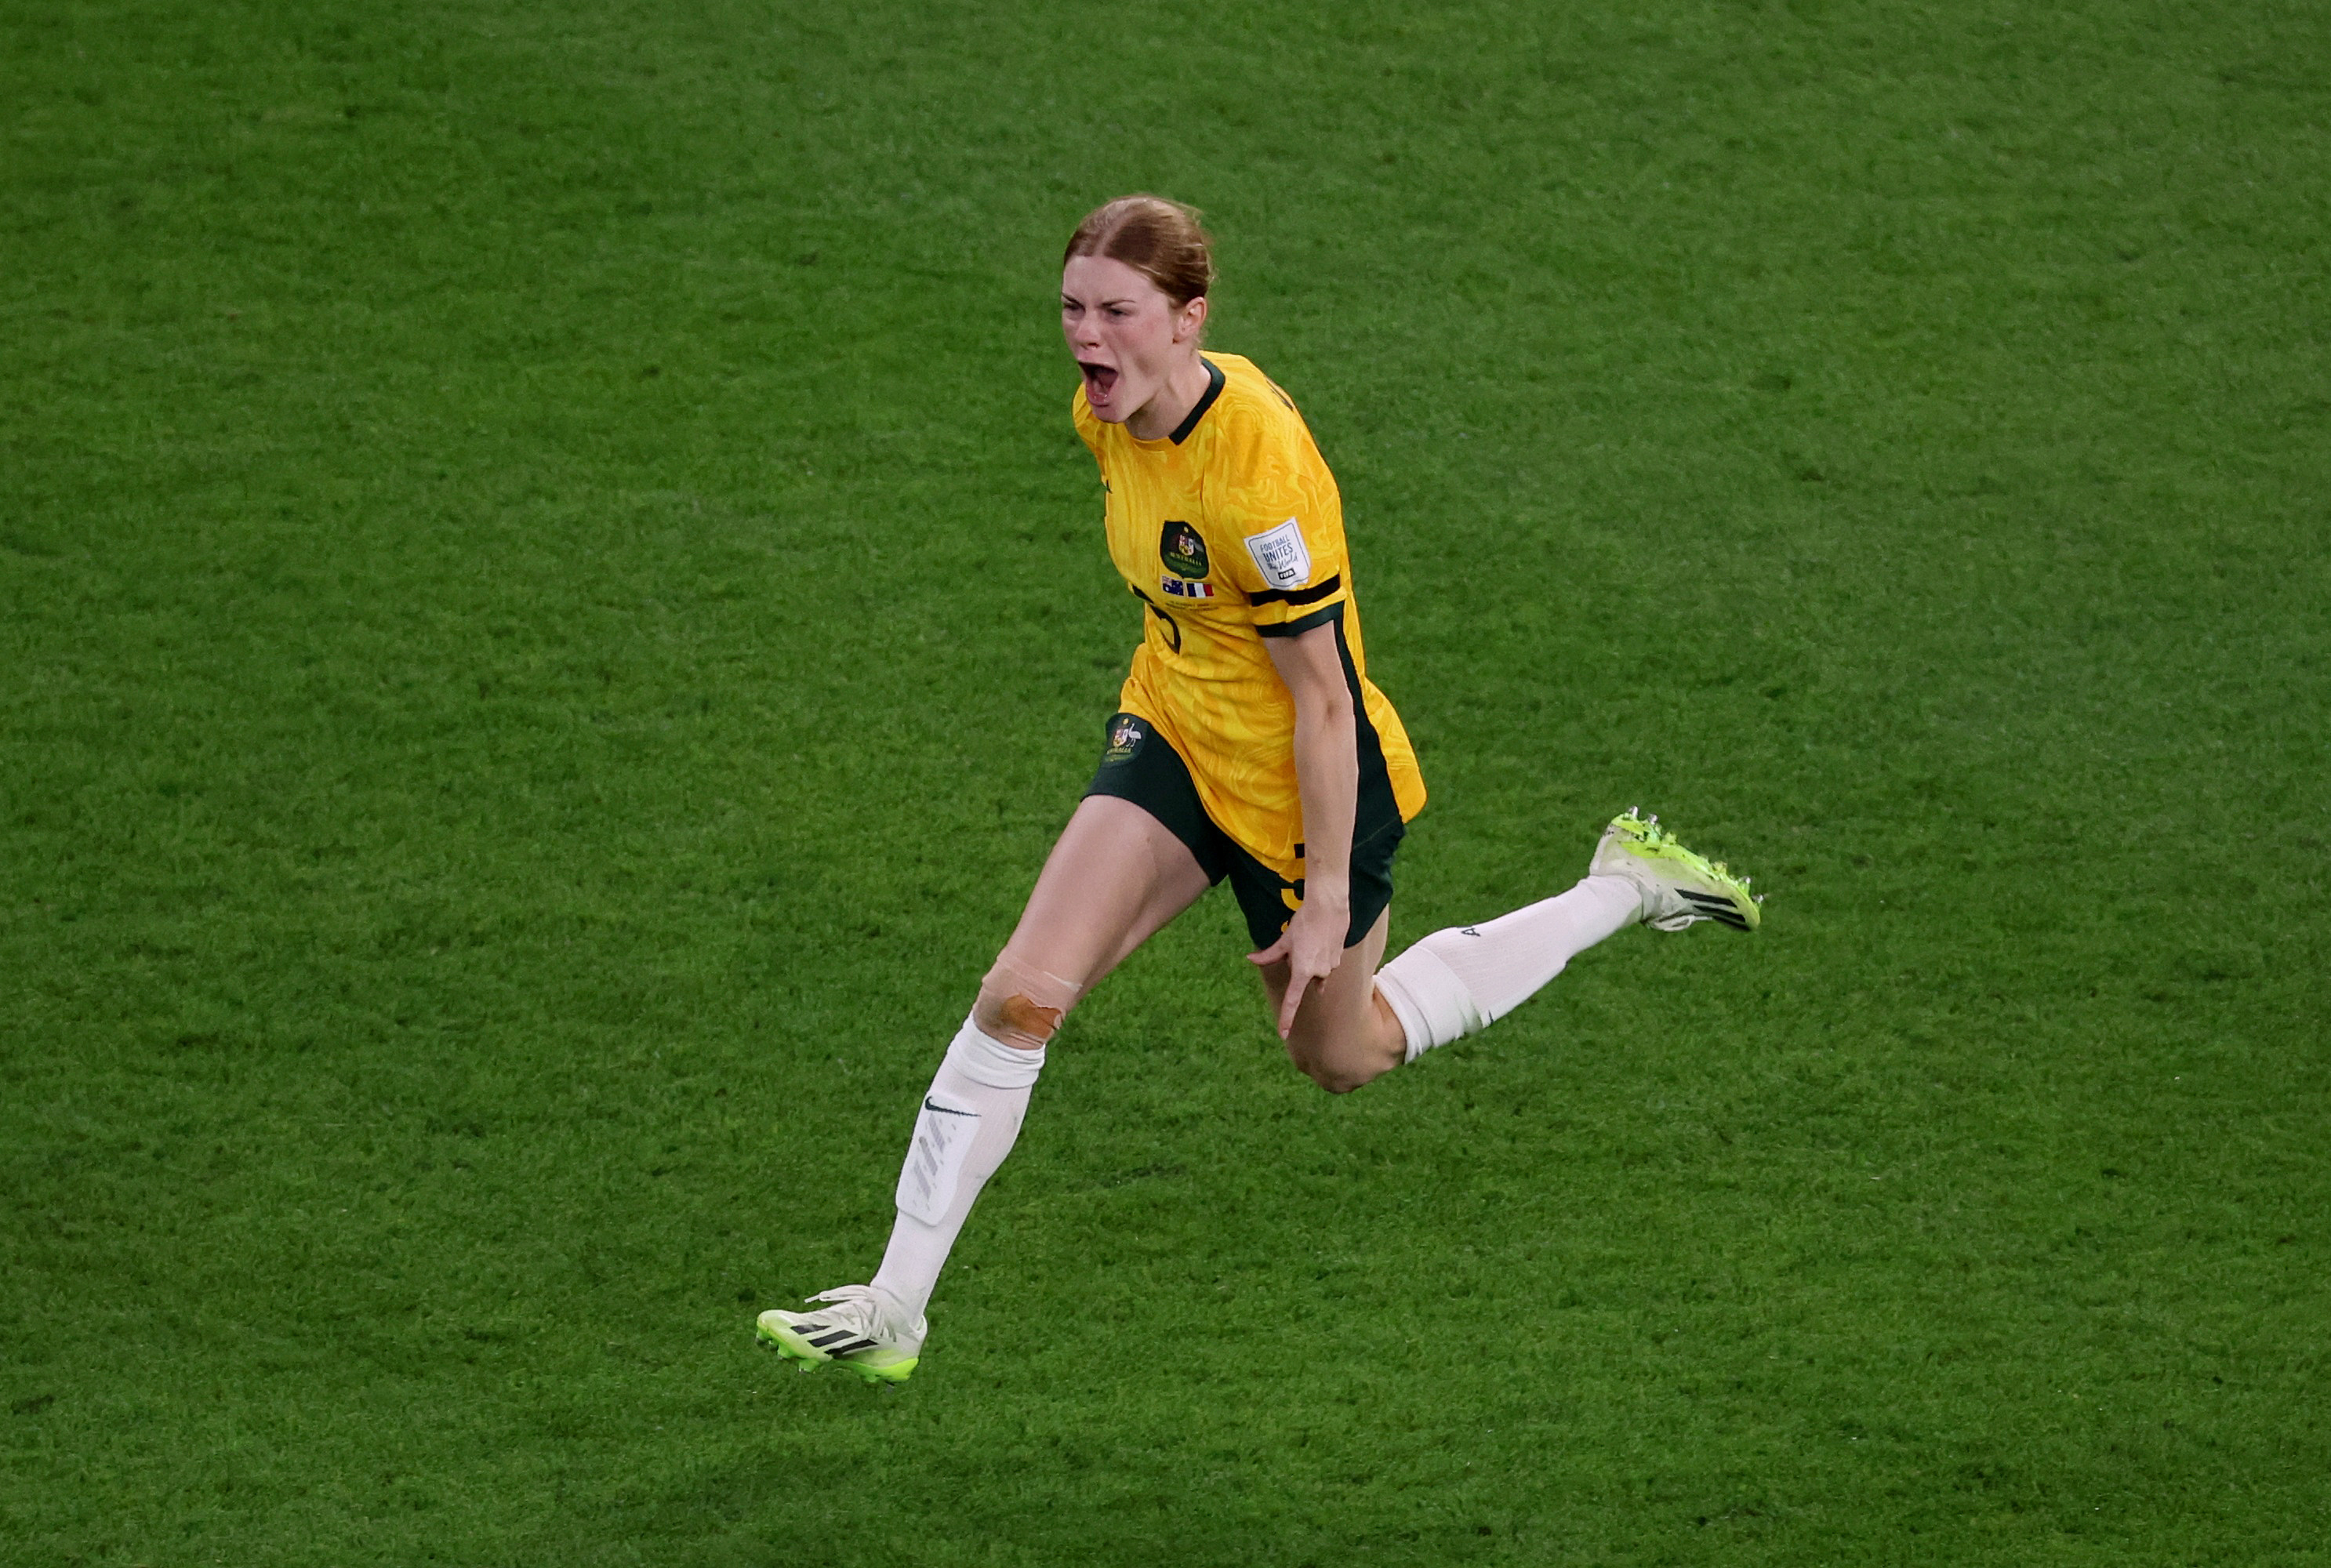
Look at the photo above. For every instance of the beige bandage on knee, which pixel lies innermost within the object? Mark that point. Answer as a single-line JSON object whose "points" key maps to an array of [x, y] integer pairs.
{"points": [[1021, 1004]]}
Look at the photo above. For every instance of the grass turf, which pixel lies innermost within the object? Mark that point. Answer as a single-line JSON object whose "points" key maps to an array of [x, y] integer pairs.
{"points": [[550, 611]]}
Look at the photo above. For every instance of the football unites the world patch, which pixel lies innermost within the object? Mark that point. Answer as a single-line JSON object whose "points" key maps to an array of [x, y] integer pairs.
{"points": [[1184, 552], [1281, 554]]}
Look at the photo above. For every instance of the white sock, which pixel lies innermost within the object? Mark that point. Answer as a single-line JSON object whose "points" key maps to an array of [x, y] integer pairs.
{"points": [[970, 1121], [1455, 981]]}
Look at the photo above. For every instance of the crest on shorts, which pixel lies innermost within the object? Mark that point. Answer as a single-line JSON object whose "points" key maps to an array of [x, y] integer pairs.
{"points": [[1183, 551], [1125, 734]]}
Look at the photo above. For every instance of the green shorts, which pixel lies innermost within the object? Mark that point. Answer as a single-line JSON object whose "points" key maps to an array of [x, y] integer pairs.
{"points": [[1136, 764]]}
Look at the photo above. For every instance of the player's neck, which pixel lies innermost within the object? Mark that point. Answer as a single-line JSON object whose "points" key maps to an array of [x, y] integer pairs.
{"points": [[1163, 414]]}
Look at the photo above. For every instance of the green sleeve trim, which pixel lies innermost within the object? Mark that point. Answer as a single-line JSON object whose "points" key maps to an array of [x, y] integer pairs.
{"points": [[1321, 617], [1299, 595]]}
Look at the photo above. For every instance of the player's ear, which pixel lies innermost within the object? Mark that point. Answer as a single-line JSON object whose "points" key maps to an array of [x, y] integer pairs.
{"points": [[1190, 321]]}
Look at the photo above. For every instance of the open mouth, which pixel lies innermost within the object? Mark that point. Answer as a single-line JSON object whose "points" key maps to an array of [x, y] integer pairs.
{"points": [[1099, 380]]}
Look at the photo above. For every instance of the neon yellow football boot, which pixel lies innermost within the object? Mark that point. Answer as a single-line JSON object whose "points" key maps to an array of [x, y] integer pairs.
{"points": [[1678, 885], [861, 1331]]}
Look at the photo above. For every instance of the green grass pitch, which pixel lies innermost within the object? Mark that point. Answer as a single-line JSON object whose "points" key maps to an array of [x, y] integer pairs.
{"points": [[549, 610]]}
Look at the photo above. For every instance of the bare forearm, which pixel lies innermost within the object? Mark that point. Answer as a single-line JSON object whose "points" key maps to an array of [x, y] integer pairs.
{"points": [[1328, 772]]}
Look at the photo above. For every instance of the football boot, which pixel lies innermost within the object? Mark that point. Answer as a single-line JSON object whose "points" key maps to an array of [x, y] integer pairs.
{"points": [[860, 1329], [1679, 886]]}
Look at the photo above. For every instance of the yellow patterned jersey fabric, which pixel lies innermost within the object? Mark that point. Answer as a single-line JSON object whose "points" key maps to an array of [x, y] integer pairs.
{"points": [[1230, 530]]}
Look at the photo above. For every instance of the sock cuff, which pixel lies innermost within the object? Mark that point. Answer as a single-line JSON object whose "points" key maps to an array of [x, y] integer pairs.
{"points": [[1415, 1031], [1432, 1004], [987, 1060]]}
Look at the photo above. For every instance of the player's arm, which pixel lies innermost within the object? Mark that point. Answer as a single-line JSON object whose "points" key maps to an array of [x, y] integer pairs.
{"points": [[1328, 772]]}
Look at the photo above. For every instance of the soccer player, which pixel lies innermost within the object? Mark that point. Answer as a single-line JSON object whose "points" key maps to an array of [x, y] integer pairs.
{"points": [[1250, 745]]}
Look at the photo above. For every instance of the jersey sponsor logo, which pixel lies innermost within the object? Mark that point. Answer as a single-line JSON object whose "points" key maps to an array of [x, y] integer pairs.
{"points": [[1183, 551], [1181, 588], [1281, 554], [1125, 734]]}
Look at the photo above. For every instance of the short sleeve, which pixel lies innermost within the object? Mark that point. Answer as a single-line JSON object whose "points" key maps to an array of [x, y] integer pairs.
{"points": [[1284, 522]]}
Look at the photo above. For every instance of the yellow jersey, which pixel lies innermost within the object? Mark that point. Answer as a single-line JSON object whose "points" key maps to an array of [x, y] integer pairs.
{"points": [[1230, 530]]}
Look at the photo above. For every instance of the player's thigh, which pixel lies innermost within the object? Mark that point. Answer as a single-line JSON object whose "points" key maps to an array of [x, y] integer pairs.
{"points": [[1115, 877]]}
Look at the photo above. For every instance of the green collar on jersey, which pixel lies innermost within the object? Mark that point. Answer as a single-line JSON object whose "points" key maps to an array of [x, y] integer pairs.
{"points": [[1214, 379]]}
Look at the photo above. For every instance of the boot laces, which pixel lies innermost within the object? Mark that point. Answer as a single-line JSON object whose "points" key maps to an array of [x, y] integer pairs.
{"points": [[855, 1307]]}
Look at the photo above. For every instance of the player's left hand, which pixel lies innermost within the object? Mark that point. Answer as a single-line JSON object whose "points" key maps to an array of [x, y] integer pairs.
{"points": [[1311, 946]]}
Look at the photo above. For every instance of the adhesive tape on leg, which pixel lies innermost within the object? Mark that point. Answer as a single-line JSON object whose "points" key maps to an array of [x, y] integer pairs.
{"points": [[1022, 1004]]}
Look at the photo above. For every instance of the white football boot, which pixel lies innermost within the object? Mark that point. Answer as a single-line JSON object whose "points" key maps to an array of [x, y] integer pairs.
{"points": [[1679, 886], [861, 1330]]}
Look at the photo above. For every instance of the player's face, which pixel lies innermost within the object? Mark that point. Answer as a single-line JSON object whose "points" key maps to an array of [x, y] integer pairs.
{"points": [[1127, 336]]}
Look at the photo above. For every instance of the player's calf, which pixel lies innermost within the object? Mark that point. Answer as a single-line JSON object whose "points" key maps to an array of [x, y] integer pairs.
{"points": [[1344, 1034], [1342, 1062]]}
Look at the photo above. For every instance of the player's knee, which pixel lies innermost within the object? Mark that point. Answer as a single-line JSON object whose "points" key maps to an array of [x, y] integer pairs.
{"points": [[1016, 1019], [1022, 1004]]}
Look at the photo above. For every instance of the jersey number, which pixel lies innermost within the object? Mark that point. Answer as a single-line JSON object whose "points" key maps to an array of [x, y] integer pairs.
{"points": [[1173, 626]]}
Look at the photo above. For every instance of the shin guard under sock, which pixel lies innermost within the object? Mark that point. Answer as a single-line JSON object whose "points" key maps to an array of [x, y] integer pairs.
{"points": [[970, 1118]]}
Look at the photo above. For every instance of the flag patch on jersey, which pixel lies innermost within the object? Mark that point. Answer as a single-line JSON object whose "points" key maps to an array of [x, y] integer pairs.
{"points": [[1281, 554], [1182, 588]]}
